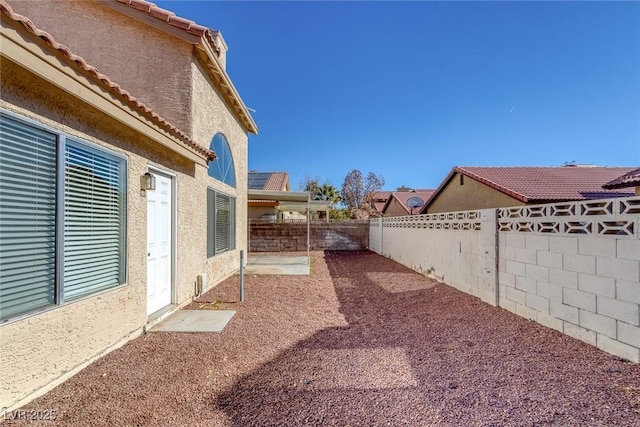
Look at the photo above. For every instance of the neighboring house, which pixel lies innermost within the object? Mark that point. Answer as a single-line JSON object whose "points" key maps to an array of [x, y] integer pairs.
{"points": [[378, 200], [267, 210], [405, 201], [467, 188], [628, 180], [91, 254]]}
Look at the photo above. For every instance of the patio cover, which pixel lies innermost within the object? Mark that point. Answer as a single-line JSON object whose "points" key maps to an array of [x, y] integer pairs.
{"points": [[296, 201]]}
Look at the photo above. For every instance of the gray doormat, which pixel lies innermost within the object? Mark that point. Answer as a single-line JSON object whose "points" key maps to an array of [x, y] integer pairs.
{"points": [[195, 321]]}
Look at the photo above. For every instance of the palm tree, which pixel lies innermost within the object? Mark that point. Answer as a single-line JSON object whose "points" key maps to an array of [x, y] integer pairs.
{"points": [[329, 193]]}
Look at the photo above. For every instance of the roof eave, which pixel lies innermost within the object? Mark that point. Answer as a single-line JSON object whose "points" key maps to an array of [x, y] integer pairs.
{"points": [[222, 78], [22, 46]]}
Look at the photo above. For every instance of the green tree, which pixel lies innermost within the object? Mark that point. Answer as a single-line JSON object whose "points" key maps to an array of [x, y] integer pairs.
{"points": [[329, 193]]}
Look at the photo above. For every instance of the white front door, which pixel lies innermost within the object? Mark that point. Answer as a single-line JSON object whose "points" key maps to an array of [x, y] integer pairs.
{"points": [[159, 244]]}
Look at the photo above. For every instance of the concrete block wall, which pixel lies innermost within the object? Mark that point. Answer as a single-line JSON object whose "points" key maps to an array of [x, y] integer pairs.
{"points": [[449, 247], [279, 237], [573, 267]]}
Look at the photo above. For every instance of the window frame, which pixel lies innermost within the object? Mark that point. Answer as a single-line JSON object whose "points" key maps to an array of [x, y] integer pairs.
{"points": [[222, 157], [63, 138], [212, 217]]}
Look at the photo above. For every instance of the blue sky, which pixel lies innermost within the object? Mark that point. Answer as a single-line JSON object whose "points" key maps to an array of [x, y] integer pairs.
{"points": [[408, 90]]}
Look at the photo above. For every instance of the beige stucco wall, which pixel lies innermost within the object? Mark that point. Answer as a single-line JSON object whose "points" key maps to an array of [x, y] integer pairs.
{"points": [[470, 196], [148, 63], [40, 348], [211, 115]]}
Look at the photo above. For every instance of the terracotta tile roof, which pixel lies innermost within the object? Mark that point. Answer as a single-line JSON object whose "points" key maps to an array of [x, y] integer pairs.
{"points": [[171, 18], [537, 184], [630, 179], [270, 181], [403, 196], [79, 63]]}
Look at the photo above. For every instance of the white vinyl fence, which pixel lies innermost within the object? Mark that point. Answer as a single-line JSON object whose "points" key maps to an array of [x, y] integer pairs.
{"points": [[573, 267]]}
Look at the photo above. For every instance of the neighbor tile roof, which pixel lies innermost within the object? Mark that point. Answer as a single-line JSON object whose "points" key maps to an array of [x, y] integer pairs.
{"points": [[270, 181], [630, 179], [403, 196], [79, 63], [531, 184], [379, 199]]}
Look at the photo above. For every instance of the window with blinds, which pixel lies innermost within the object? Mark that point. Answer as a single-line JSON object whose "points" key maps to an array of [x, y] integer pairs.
{"points": [[62, 218], [221, 214], [27, 218], [93, 220]]}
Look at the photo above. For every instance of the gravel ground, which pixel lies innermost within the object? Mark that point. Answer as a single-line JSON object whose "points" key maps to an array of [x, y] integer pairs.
{"points": [[362, 341]]}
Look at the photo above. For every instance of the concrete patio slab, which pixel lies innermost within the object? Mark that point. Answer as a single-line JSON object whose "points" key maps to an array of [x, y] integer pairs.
{"points": [[195, 321], [273, 264]]}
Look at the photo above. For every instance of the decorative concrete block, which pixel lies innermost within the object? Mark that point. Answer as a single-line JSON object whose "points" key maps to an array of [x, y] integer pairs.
{"points": [[580, 333], [549, 259], [597, 246], [580, 263], [618, 348], [580, 299], [596, 284], [625, 269], [628, 291], [596, 322], [622, 310]]}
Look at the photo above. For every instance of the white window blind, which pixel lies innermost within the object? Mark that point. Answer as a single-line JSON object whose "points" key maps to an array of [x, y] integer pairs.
{"points": [[94, 220], [27, 218], [221, 220]]}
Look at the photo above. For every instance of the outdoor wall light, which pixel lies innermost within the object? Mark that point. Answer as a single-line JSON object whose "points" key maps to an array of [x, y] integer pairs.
{"points": [[147, 182]]}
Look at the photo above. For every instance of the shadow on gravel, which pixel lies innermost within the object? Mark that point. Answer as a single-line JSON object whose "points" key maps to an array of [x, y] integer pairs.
{"points": [[416, 352]]}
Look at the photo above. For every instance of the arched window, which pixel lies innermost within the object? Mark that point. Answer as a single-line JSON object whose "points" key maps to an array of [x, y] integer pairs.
{"points": [[222, 167]]}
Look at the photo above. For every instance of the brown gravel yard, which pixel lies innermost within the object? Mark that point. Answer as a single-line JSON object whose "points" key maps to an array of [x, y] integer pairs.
{"points": [[362, 341]]}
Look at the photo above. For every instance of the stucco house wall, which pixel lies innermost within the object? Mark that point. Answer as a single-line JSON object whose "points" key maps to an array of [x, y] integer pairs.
{"points": [[43, 348], [152, 65], [471, 194], [395, 208]]}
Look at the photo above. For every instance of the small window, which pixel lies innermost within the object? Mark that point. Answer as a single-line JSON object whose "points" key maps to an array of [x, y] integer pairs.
{"points": [[222, 167], [221, 223], [63, 218]]}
